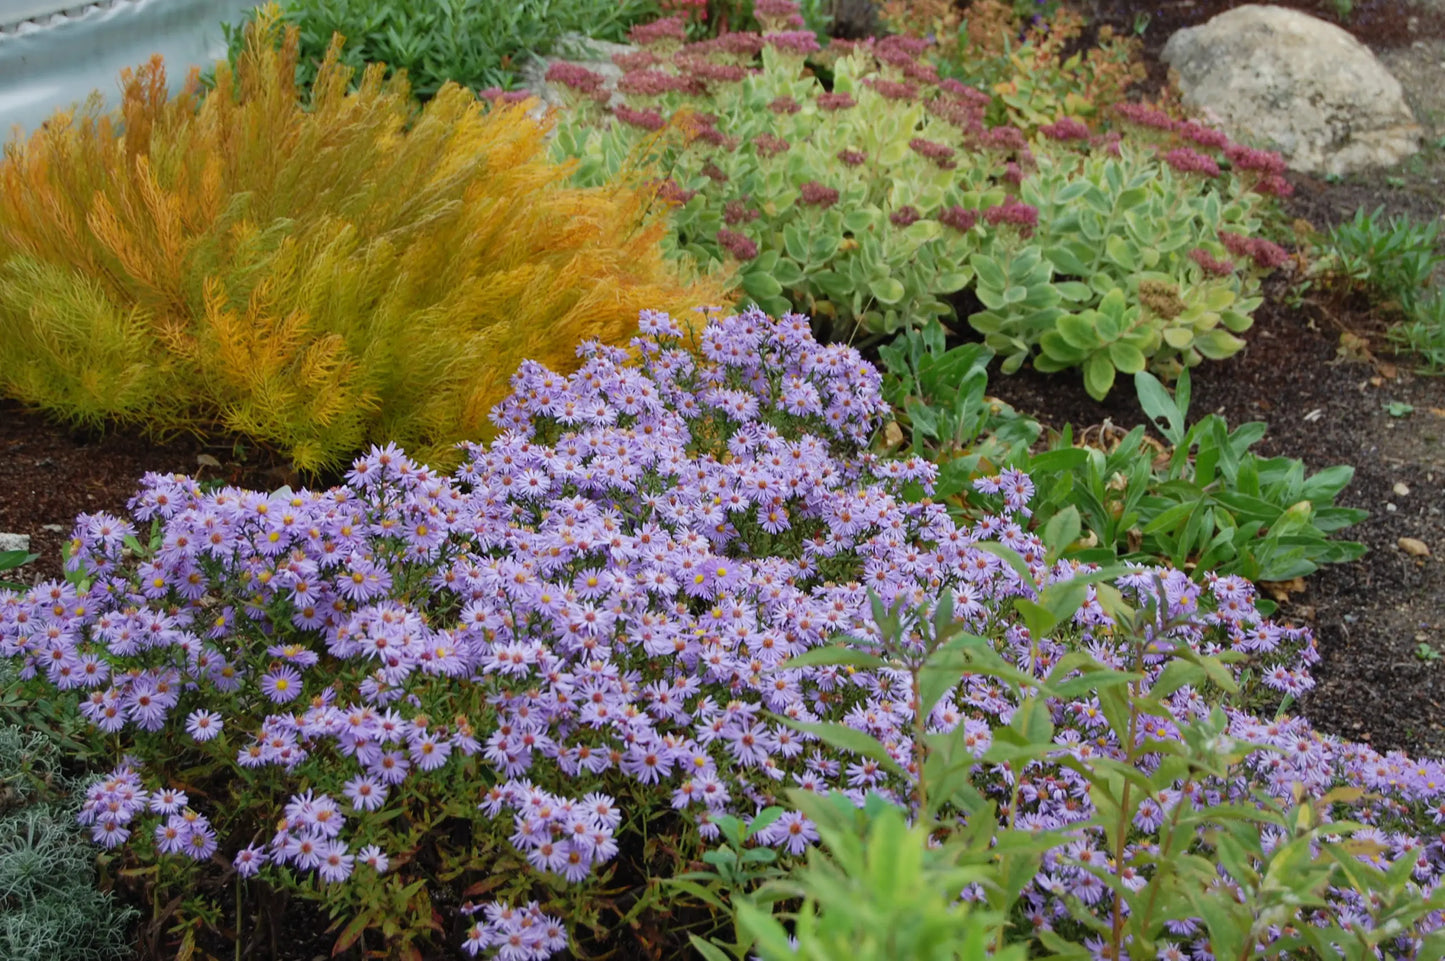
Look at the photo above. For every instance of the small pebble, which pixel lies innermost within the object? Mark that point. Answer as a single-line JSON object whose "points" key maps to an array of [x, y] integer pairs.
{"points": [[1401, 489], [14, 542], [1413, 547]]}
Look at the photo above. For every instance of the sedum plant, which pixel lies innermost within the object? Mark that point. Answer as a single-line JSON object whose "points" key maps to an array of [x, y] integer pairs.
{"points": [[1019, 55], [889, 200], [316, 275]]}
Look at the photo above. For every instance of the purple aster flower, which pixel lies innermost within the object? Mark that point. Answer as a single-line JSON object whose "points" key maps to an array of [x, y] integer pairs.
{"points": [[281, 684], [204, 725], [372, 857], [249, 861], [172, 836], [792, 831], [168, 801], [366, 793], [200, 841], [335, 863]]}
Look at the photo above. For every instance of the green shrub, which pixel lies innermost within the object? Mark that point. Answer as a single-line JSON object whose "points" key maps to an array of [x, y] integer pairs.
{"points": [[1392, 260], [1422, 333], [889, 200], [1204, 502], [474, 43]]}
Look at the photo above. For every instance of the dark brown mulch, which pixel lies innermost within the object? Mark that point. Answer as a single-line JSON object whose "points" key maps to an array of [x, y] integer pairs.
{"points": [[49, 474]]}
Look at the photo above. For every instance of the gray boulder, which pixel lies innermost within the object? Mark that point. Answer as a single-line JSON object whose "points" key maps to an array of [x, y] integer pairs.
{"points": [[1278, 78]]}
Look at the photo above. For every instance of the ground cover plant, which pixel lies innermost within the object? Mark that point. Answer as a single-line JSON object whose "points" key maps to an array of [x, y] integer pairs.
{"points": [[476, 45], [1116, 804], [674, 588], [1393, 263], [50, 906], [313, 274], [889, 199]]}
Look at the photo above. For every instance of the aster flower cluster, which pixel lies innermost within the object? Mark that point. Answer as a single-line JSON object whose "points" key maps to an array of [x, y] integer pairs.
{"points": [[607, 597]]}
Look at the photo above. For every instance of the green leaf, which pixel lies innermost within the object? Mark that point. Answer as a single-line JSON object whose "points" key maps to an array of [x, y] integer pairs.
{"points": [[1009, 556], [858, 221], [761, 286], [989, 272], [788, 274], [1037, 618], [1121, 252], [887, 290], [1062, 530], [1098, 375], [1218, 344], [795, 242], [1033, 721], [1068, 262], [1072, 290], [951, 282], [1055, 461], [1158, 405], [824, 247], [1078, 331], [1058, 353], [708, 950], [835, 655], [1127, 358]]}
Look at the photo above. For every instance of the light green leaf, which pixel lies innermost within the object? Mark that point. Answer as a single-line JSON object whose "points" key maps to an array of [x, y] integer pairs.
{"points": [[887, 290], [1098, 375]]}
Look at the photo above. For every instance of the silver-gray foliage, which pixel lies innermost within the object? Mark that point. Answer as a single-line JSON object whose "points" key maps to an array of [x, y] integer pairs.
{"points": [[50, 907]]}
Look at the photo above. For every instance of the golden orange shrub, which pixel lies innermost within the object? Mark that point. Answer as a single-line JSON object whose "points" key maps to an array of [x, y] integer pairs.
{"points": [[315, 275]]}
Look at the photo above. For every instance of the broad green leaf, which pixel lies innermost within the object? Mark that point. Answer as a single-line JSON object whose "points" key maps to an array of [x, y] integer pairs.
{"points": [[1218, 344], [1127, 358], [1062, 530], [990, 274], [887, 290], [1078, 331], [1098, 375], [761, 286]]}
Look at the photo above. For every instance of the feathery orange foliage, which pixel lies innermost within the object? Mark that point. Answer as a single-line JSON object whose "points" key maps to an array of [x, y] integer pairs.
{"points": [[318, 276]]}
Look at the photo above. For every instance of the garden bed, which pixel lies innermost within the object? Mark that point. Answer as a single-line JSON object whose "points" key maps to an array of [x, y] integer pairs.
{"points": [[1318, 369]]}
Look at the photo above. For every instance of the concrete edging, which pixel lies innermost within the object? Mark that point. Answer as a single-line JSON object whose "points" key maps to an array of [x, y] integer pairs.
{"points": [[62, 51]]}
